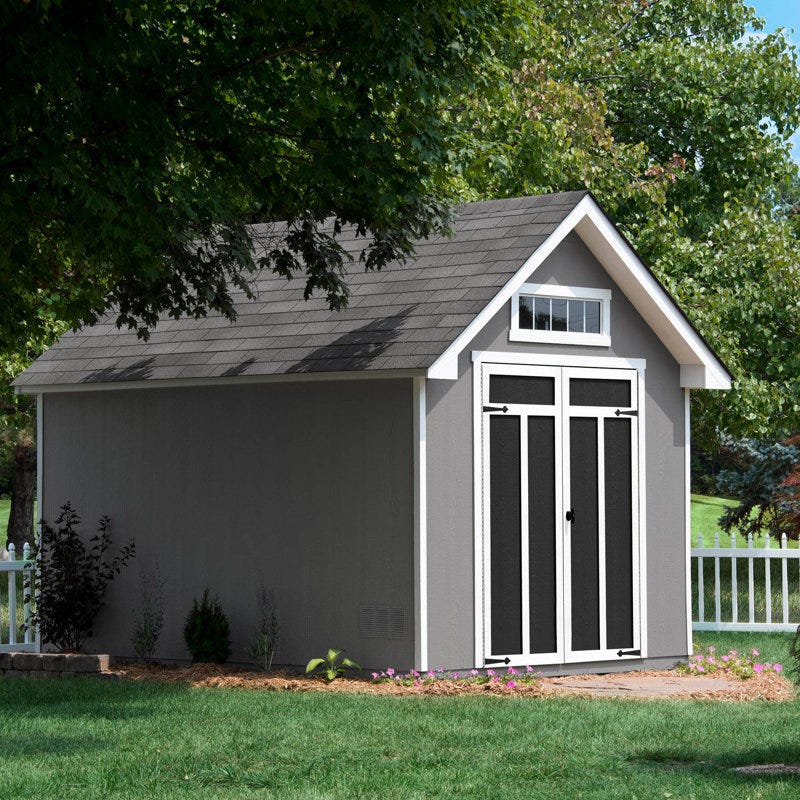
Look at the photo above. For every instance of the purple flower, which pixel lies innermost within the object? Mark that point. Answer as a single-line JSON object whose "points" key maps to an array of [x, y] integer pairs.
{"points": [[511, 684], [390, 672], [430, 674], [414, 673]]}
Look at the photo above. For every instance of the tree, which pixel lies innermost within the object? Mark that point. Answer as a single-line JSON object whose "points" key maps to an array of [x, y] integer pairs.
{"points": [[137, 140], [679, 123]]}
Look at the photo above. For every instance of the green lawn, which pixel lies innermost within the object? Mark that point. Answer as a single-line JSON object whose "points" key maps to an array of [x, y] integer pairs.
{"points": [[5, 510], [82, 738]]}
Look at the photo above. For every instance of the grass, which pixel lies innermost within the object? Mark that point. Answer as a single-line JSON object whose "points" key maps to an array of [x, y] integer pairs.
{"points": [[78, 738], [5, 510], [772, 647]]}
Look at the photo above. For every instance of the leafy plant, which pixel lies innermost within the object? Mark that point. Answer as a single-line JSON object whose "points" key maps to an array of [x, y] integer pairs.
{"points": [[207, 631], [149, 619], [72, 579], [265, 636], [733, 663], [333, 665]]}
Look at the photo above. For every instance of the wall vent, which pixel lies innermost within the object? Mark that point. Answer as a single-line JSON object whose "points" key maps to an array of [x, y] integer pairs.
{"points": [[382, 622]]}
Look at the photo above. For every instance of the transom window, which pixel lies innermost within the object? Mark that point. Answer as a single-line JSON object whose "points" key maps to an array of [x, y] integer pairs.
{"points": [[561, 314]]}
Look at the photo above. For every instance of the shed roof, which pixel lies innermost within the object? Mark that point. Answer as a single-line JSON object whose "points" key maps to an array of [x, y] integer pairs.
{"points": [[406, 317]]}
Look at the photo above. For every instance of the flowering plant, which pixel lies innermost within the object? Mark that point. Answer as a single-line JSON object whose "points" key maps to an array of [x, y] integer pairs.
{"points": [[733, 663], [511, 677]]}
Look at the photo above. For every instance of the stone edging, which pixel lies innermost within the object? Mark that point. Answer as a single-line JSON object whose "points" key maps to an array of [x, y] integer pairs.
{"points": [[52, 664]]}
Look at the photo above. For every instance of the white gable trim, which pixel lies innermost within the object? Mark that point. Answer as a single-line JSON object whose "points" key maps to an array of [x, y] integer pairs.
{"points": [[700, 368]]}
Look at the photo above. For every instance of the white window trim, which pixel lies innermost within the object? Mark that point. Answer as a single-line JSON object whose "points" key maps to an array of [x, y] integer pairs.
{"points": [[603, 296]]}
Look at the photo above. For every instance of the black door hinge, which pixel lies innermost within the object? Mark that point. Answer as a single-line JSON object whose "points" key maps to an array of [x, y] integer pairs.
{"points": [[505, 660], [496, 408], [621, 653], [627, 413]]}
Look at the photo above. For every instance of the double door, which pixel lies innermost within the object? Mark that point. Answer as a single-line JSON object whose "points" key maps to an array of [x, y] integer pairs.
{"points": [[560, 477]]}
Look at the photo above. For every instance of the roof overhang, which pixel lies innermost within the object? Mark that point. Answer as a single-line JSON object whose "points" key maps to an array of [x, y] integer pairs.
{"points": [[700, 367]]}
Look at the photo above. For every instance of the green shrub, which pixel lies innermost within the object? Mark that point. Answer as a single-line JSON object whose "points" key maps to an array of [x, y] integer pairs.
{"points": [[72, 578], [207, 631], [266, 631], [149, 618]]}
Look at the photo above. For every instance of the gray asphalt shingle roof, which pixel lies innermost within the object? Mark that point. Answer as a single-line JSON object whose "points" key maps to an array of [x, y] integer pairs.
{"points": [[403, 317]]}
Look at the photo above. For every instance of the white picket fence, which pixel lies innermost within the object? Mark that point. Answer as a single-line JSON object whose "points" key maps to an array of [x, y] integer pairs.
{"points": [[759, 615], [20, 576]]}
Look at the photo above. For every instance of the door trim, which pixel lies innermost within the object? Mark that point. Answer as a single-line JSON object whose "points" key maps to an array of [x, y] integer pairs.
{"points": [[480, 600]]}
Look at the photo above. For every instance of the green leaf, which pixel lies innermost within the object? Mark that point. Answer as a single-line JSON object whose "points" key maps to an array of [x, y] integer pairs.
{"points": [[315, 663]]}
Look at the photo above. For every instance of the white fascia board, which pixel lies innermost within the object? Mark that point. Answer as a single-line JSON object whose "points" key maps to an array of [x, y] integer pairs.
{"points": [[652, 302], [446, 366], [183, 383], [700, 368]]}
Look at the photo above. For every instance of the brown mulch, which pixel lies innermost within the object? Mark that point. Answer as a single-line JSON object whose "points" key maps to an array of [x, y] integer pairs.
{"points": [[767, 686]]}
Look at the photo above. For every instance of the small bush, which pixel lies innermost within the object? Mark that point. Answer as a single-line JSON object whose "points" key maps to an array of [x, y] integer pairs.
{"points": [[149, 619], [265, 636], [72, 579], [207, 631]]}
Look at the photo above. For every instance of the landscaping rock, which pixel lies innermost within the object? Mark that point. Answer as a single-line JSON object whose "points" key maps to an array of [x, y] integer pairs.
{"points": [[80, 662], [53, 662], [26, 661]]}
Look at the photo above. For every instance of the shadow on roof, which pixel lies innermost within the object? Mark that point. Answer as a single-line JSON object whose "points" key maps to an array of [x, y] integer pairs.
{"points": [[139, 371], [357, 349]]}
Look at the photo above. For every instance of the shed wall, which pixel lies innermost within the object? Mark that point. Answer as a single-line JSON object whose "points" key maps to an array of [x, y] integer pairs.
{"points": [[450, 469], [306, 486]]}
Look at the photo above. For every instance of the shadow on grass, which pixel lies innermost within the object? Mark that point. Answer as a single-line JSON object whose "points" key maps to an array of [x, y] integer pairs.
{"points": [[722, 766], [84, 696]]}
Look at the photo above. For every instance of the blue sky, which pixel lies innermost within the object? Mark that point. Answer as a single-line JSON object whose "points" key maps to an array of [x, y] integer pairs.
{"points": [[782, 13]]}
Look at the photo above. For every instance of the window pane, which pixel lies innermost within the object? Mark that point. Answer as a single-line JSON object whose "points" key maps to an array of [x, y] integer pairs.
{"points": [[559, 312], [576, 316], [592, 316], [542, 313], [526, 312]]}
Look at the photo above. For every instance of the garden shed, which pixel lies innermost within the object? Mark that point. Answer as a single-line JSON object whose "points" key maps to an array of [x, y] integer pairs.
{"points": [[483, 460]]}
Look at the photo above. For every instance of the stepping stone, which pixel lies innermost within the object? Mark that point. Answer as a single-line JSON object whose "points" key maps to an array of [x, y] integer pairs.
{"points": [[641, 686]]}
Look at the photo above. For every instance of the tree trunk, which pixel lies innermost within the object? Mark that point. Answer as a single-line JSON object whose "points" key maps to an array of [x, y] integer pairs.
{"points": [[23, 491]]}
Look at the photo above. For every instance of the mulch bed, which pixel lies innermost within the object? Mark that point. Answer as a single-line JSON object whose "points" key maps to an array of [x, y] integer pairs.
{"points": [[761, 687]]}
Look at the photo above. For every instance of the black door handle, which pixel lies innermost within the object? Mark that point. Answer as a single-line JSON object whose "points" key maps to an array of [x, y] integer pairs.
{"points": [[571, 516]]}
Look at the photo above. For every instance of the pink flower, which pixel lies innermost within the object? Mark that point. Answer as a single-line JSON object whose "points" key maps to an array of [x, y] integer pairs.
{"points": [[375, 675], [777, 667], [755, 653], [734, 652], [473, 672], [430, 674], [455, 676], [711, 649], [490, 672], [495, 679], [415, 673], [529, 668], [417, 683], [701, 668], [390, 672], [512, 671], [511, 684], [758, 668]]}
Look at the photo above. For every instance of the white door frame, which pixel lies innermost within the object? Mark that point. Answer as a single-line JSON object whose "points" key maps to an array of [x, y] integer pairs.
{"points": [[481, 543]]}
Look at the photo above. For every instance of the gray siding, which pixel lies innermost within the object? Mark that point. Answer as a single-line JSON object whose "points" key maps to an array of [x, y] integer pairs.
{"points": [[450, 469], [306, 486]]}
